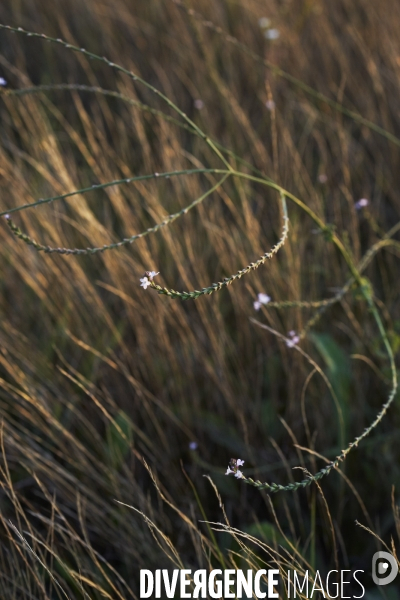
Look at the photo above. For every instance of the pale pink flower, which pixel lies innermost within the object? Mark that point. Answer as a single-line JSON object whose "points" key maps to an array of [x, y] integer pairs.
{"points": [[361, 203], [294, 339], [261, 299], [264, 299], [152, 274], [272, 34], [144, 282], [233, 468]]}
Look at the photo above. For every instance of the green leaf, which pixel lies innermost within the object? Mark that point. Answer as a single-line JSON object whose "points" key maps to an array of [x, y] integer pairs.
{"points": [[338, 371]]}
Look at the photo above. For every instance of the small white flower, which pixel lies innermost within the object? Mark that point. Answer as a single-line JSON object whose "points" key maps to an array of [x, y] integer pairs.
{"points": [[263, 298], [3, 81], [295, 340], [7, 217], [292, 333], [144, 282], [233, 468], [199, 104], [272, 34], [270, 104], [193, 445], [152, 274], [361, 203], [264, 22], [322, 178]]}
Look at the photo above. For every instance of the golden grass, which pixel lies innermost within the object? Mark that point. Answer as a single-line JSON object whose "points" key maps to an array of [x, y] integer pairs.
{"points": [[99, 377]]}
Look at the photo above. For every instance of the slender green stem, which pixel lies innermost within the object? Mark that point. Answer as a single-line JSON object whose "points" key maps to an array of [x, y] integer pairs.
{"points": [[121, 69], [215, 287], [85, 251], [101, 186], [140, 105]]}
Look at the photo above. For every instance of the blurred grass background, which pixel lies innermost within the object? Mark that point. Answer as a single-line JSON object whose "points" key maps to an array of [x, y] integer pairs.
{"points": [[98, 376]]}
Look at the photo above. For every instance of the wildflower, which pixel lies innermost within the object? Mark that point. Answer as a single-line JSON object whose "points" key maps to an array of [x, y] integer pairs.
{"points": [[148, 278], [144, 282], [151, 274], [294, 339], [270, 104], [361, 203], [7, 217], [3, 82], [322, 178], [272, 34], [233, 468], [199, 104], [264, 22], [193, 445], [261, 299]]}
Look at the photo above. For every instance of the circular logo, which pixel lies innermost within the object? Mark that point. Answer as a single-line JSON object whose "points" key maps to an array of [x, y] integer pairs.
{"points": [[381, 573]]}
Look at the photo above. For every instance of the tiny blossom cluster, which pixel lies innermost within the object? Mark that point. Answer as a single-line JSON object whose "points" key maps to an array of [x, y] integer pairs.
{"points": [[233, 468], [269, 32], [3, 82], [272, 34], [146, 280], [361, 204], [261, 299], [294, 339]]}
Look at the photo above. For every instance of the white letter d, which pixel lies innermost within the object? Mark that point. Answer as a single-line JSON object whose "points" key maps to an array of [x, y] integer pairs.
{"points": [[146, 574]]}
